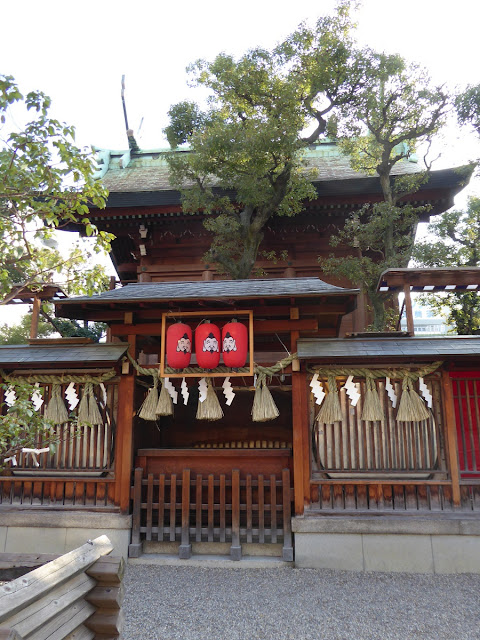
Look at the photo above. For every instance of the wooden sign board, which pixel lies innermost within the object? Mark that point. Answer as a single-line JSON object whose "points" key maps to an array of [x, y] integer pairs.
{"points": [[203, 373]]}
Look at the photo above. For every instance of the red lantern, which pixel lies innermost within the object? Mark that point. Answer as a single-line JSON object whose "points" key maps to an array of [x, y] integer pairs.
{"points": [[234, 344], [207, 345], [179, 345]]}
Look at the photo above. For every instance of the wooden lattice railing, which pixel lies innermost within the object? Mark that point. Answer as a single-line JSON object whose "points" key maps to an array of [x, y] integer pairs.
{"points": [[94, 494], [212, 508]]}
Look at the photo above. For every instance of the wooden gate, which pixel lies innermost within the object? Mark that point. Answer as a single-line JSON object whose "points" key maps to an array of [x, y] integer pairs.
{"points": [[190, 508]]}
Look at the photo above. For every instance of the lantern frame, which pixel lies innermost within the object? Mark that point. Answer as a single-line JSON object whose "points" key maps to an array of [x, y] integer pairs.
{"points": [[202, 373]]}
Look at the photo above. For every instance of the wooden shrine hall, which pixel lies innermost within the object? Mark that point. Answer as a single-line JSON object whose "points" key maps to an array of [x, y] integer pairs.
{"points": [[323, 446]]}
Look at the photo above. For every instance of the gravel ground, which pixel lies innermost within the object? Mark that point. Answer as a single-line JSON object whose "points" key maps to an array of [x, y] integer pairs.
{"points": [[191, 603]]}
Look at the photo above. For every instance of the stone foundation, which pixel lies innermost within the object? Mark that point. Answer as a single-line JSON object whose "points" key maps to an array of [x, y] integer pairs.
{"points": [[413, 544], [58, 532]]}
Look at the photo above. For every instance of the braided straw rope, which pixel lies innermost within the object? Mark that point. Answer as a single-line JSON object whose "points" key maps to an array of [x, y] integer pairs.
{"points": [[63, 379], [265, 371], [393, 374]]}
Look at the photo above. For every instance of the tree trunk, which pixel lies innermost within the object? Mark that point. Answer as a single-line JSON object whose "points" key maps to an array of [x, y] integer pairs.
{"points": [[378, 307]]}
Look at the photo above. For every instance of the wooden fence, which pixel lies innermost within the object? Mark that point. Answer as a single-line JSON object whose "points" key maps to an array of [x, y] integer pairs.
{"points": [[92, 493], [74, 596], [80, 449], [198, 508], [356, 447]]}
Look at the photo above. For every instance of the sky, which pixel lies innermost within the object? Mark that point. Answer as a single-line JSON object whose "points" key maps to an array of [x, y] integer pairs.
{"points": [[77, 52]]}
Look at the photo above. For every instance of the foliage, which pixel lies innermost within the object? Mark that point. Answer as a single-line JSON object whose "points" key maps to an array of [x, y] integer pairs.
{"points": [[20, 332], [468, 107], [21, 425], [46, 183], [396, 110], [245, 163], [457, 244]]}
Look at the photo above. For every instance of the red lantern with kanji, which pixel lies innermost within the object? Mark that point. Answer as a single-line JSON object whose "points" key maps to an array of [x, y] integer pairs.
{"points": [[179, 345], [207, 345], [234, 344]]}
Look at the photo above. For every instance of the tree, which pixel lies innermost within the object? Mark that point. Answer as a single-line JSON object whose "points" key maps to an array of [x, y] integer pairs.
{"points": [[245, 159], [19, 333], [46, 183], [396, 110], [467, 105], [457, 244]]}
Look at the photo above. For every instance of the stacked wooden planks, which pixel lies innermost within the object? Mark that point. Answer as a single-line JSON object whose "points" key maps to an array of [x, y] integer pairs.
{"points": [[76, 596]]}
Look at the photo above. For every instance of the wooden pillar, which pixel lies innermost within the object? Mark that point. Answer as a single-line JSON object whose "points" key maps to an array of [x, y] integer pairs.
{"points": [[451, 436], [408, 309], [185, 549], [124, 440], [235, 549], [37, 303], [301, 448]]}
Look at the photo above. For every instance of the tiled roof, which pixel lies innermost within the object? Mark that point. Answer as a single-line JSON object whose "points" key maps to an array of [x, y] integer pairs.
{"points": [[149, 172], [382, 349], [215, 289], [82, 354]]}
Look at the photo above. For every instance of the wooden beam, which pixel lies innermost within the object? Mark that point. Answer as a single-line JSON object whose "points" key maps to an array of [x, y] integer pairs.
{"points": [[259, 327], [451, 436]]}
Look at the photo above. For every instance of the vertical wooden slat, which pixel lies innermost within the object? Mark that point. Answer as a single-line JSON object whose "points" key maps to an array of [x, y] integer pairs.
{"points": [[198, 508], [149, 506], [399, 498], [350, 497], [161, 507], [101, 495], [451, 435], [235, 549], [261, 509], [248, 500], [210, 507], [185, 549], [273, 508], [134, 549], [287, 551], [222, 508], [173, 505]]}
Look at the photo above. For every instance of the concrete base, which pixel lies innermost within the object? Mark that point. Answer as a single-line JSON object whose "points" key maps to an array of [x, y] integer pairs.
{"points": [[58, 532], [412, 544]]}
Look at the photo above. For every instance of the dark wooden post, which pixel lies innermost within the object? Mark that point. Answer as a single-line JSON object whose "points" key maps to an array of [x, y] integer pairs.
{"points": [[451, 436], [301, 448], [408, 310], [185, 549], [124, 443], [236, 549], [287, 517], [37, 303], [135, 547]]}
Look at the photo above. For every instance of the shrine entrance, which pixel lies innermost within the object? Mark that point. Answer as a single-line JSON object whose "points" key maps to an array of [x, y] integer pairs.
{"points": [[220, 485]]}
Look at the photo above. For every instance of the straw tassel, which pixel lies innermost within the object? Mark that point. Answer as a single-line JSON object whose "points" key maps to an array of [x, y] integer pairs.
{"points": [[330, 410], [372, 408], [94, 415], [210, 408], [411, 407], [164, 406], [82, 414], [149, 406], [264, 407], [56, 411]]}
